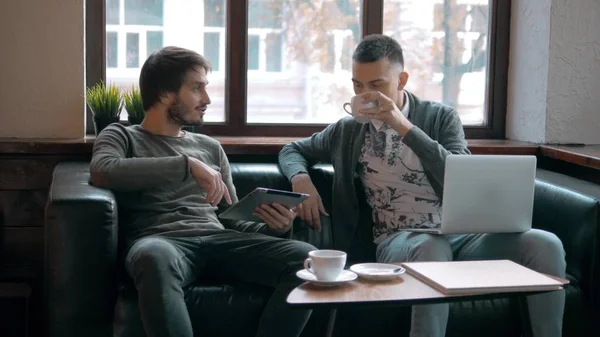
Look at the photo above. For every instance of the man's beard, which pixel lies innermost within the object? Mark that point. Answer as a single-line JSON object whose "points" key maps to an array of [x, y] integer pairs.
{"points": [[177, 113]]}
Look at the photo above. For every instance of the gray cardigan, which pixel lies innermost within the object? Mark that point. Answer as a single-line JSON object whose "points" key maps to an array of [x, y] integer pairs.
{"points": [[438, 132]]}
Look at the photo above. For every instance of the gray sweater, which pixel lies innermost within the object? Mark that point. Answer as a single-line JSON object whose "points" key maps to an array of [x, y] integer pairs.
{"points": [[155, 192], [437, 133]]}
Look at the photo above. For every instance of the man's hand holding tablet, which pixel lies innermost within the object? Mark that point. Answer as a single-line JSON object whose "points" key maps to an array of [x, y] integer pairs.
{"points": [[276, 208]]}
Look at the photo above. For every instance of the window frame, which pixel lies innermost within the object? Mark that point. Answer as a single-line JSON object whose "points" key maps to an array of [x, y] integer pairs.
{"points": [[236, 74]]}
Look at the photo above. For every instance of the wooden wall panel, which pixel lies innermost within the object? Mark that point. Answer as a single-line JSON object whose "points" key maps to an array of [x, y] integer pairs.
{"points": [[20, 208], [26, 174], [24, 185], [21, 245]]}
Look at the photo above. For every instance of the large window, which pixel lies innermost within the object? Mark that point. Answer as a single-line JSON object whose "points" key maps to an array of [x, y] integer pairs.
{"points": [[446, 51], [283, 67]]}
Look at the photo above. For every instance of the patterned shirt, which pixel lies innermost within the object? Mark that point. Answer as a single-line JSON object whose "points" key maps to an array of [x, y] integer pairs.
{"points": [[395, 183]]}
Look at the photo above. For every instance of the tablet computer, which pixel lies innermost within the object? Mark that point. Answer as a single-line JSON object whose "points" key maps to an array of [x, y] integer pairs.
{"points": [[243, 209]]}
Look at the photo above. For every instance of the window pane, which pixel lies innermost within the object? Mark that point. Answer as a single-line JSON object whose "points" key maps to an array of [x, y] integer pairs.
{"points": [[212, 46], [347, 50], [112, 12], [144, 12], [329, 58], [445, 51], [214, 14], [154, 41], [148, 27], [301, 72], [273, 42], [265, 13], [253, 52], [111, 49], [133, 50]]}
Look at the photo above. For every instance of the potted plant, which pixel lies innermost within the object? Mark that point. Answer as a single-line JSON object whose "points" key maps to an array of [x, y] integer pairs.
{"points": [[106, 103], [134, 106]]}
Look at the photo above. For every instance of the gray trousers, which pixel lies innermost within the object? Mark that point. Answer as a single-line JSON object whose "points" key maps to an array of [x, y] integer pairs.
{"points": [[162, 266], [539, 250]]}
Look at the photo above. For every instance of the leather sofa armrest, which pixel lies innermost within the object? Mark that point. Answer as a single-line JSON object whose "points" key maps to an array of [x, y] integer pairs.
{"points": [[574, 218], [81, 245]]}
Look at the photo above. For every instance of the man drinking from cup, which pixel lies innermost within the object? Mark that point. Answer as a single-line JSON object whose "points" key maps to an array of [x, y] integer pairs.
{"points": [[398, 144]]}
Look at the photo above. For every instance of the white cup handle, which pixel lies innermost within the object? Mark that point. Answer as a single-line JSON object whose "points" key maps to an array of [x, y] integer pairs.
{"points": [[348, 112], [308, 265]]}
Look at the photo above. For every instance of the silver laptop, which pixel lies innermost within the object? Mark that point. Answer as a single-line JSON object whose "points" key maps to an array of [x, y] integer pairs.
{"points": [[487, 194]]}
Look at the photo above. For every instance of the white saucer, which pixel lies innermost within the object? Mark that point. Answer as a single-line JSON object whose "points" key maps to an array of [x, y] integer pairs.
{"points": [[377, 271], [344, 277]]}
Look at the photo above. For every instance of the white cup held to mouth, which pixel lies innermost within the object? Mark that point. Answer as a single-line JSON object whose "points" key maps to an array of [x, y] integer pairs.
{"points": [[355, 105], [325, 264]]}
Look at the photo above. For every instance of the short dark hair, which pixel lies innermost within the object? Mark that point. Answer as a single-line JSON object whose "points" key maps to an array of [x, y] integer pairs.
{"points": [[165, 71], [374, 47]]}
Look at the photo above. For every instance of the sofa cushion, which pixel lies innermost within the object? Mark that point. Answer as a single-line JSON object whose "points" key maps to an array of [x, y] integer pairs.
{"points": [[248, 176]]}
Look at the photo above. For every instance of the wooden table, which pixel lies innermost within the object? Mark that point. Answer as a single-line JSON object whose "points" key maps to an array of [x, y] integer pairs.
{"points": [[405, 291]]}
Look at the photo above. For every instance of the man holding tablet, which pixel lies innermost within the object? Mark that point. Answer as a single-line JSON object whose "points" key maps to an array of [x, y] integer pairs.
{"points": [[171, 185]]}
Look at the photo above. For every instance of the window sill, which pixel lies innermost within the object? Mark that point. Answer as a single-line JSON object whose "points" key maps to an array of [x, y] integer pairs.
{"points": [[584, 156], [232, 146]]}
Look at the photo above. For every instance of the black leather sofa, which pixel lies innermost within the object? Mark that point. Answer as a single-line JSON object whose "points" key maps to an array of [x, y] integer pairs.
{"points": [[86, 294]]}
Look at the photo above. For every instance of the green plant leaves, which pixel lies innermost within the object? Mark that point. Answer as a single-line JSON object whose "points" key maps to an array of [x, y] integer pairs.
{"points": [[133, 103], [104, 101]]}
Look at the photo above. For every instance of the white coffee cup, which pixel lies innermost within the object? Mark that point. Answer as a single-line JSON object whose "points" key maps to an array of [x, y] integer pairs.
{"points": [[355, 105], [325, 264]]}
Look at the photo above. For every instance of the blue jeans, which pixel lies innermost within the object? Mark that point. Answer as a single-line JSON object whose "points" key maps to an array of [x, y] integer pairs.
{"points": [[539, 250], [161, 266]]}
